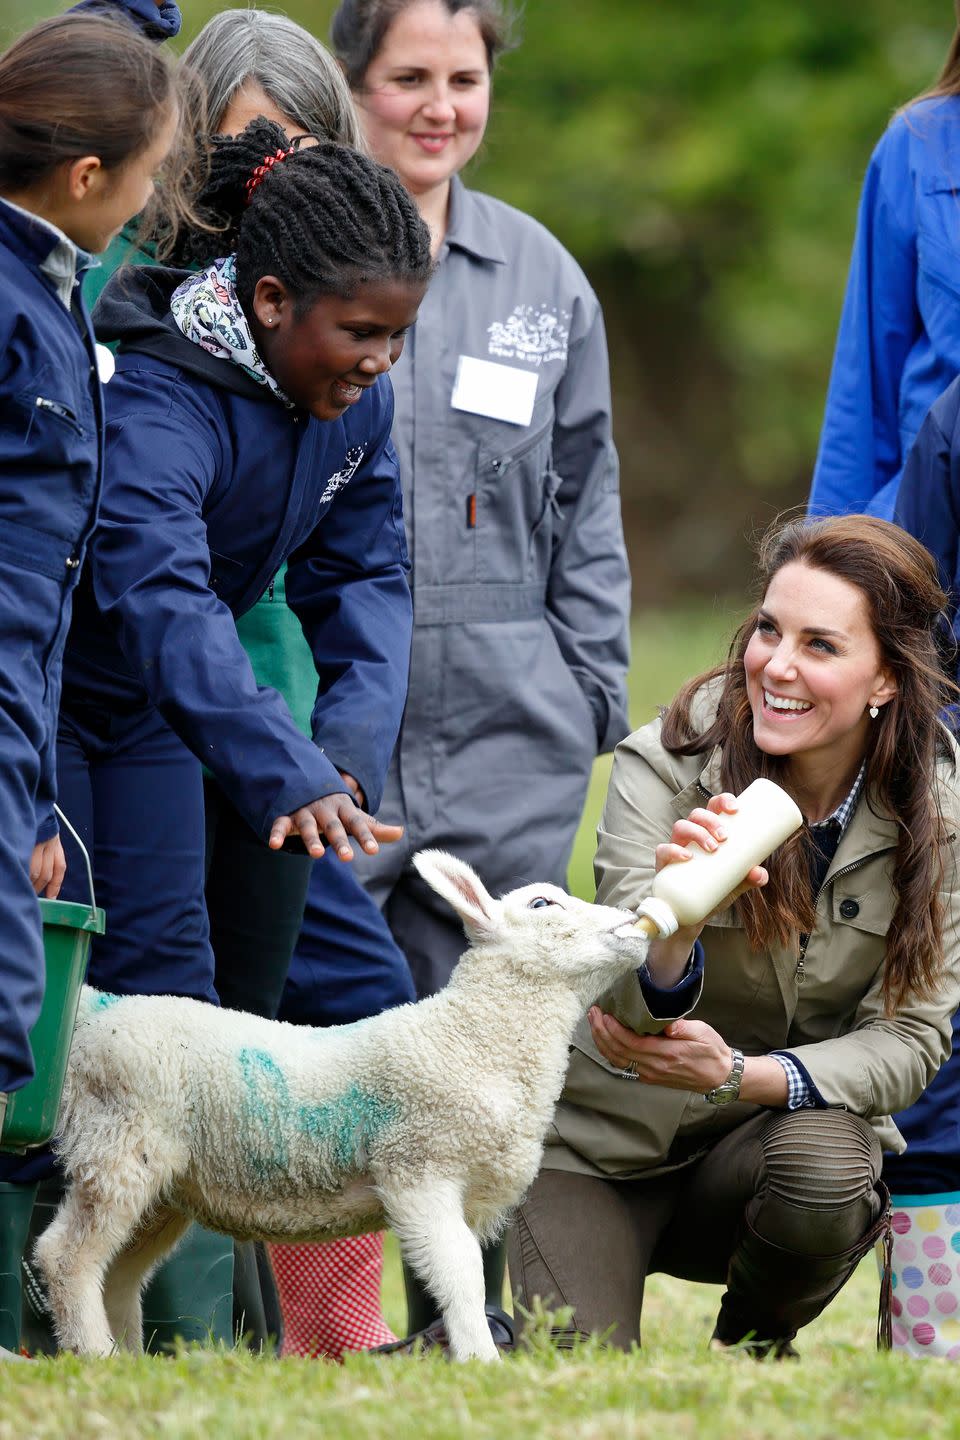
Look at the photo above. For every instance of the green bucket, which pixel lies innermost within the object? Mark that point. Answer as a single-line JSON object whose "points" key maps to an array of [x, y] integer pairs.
{"points": [[30, 1116]]}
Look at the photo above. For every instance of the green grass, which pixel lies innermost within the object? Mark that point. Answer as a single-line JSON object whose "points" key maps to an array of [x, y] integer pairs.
{"points": [[673, 1389]]}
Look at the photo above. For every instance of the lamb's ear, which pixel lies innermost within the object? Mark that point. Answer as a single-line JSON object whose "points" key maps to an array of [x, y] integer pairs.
{"points": [[462, 888]]}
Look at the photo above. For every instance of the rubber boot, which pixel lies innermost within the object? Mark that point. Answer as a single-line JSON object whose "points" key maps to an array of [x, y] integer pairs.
{"points": [[257, 1320], [421, 1306], [38, 1335], [190, 1297], [330, 1296], [772, 1293], [16, 1204]]}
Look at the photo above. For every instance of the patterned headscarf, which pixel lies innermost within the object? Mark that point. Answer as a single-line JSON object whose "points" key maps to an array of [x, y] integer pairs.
{"points": [[207, 310]]}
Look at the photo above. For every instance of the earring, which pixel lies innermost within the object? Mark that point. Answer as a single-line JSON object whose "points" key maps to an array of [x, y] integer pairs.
{"points": [[874, 711]]}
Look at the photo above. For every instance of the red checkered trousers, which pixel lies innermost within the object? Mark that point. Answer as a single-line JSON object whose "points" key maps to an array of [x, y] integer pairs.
{"points": [[330, 1296]]}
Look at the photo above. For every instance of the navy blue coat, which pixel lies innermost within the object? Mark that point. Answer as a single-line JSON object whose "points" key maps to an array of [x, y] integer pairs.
{"points": [[50, 445], [50, 439], [210, 484]]}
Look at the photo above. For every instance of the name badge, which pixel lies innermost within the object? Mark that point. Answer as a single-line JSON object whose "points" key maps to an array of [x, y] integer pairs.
{"points": [[502, 392]]}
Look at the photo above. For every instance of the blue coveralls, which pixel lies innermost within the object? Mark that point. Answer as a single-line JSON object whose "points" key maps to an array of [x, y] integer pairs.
{"points": [[50, 448], [898, 344], [210, 484]]}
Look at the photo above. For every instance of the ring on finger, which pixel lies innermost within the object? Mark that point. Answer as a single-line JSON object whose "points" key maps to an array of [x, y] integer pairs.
{"points": [[629, 1071]]}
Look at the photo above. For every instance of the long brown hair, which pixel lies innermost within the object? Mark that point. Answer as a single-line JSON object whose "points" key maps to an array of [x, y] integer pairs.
{"points": [[84, 85], [898, 580]]}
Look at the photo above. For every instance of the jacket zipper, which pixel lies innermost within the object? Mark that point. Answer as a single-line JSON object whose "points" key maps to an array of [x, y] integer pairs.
{"points": [[800, 973]]}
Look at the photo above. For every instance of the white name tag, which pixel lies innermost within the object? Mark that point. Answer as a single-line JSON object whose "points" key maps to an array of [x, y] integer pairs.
{"points": [[503, 392]]}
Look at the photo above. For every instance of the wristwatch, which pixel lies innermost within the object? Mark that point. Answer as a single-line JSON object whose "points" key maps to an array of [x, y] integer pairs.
{"points": [[730, 1089]]}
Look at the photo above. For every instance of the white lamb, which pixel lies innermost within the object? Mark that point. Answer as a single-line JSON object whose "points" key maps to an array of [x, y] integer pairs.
{"points": [[429, 1118]]}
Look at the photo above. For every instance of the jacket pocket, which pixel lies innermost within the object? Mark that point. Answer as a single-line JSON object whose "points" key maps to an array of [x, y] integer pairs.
{"points": [[516, 489]]}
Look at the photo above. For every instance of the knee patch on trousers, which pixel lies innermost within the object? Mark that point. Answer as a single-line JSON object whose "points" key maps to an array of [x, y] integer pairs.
{"points": [[820, 1159]]}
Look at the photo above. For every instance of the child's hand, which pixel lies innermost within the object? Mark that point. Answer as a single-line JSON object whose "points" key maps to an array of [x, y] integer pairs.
{"points": [[335, 817], [48, 865]]}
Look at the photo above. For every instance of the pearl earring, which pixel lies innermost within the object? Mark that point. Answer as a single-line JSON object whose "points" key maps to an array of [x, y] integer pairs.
{"points": [[874, 711]]}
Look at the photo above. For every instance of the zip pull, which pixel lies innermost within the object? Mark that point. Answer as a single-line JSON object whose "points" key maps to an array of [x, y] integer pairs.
{"points": [[799, 973]]}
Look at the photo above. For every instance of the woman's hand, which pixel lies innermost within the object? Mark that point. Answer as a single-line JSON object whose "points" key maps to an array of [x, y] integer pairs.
{"points": [[705, 827], [688, 1055], [667, 959], [48, 865], [335, 817]]}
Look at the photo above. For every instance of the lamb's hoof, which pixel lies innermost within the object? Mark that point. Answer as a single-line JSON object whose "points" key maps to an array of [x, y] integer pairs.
{"points": [[434, 1337]]}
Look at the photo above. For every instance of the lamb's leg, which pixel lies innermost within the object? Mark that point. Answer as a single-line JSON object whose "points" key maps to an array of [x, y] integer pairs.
{"points": [[72, 1255], [129, 1272], [440, 1246]]}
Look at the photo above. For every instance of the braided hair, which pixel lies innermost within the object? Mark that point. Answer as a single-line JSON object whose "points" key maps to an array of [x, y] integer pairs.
{"points": [[322, 218]]}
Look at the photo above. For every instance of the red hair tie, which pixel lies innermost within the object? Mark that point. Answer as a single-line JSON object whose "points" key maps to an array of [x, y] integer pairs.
{"points": [[268, 163]]}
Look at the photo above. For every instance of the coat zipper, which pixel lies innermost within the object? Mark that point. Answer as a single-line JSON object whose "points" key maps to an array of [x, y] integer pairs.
{"points": [[800, 973]]}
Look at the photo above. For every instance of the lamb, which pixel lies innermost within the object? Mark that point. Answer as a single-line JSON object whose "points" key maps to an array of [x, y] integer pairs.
{"points": [[429, 1119]]}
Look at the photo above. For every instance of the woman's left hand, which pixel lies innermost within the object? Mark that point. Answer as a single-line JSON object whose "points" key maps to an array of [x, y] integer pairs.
{"points": [[687, 1055]]}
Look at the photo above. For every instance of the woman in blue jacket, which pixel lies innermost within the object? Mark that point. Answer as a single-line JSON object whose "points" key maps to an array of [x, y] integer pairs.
{"points": [[898, 345], [88, 112]]}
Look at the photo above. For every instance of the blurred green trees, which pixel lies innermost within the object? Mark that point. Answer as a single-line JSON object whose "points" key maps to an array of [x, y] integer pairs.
{"points": [[703, 161]]}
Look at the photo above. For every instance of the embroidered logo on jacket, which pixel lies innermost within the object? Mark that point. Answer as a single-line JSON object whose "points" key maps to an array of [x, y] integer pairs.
{"points": [[343, 477], [528, 334]]}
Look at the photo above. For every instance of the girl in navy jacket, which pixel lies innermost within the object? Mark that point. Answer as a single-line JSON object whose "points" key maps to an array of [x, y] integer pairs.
{"points": [[88, 112], [248, 424]]}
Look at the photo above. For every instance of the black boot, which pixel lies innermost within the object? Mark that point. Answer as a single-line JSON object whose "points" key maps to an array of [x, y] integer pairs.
{"points": [[425, 1328], [772, 1293], [257, 1320]]}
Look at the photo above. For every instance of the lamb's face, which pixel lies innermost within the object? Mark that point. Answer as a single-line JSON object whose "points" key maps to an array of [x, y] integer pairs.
{"points": [[539, 930], [553, 932]]}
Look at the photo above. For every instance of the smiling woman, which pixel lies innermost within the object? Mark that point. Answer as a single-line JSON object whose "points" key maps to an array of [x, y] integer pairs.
{"points": [[772, 1043]]}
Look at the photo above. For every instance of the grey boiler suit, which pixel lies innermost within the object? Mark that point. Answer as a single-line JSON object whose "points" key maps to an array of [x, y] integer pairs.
{"points": [[520, 581]]}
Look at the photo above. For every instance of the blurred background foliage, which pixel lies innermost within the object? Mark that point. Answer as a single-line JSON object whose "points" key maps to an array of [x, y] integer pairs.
{"points": [[703, 161]]}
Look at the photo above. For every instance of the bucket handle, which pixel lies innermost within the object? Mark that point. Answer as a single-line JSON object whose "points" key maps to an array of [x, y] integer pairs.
{"points": [[83, 851]]}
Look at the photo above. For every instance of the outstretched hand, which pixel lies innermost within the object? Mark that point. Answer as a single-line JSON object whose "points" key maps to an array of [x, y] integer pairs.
{"points": [[334, 818]]}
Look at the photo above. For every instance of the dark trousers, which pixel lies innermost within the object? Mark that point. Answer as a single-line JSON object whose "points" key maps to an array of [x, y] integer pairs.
{"points": [[255, 898], [134, 793], [346, 964], [779, 1209], [34, 613]]}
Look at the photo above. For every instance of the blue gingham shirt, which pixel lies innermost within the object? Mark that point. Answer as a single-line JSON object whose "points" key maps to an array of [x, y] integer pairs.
{"points": [[799, 1094]]}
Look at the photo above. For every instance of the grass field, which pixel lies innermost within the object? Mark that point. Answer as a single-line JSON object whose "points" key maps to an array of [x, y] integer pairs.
{"points": [[672, 1390]]}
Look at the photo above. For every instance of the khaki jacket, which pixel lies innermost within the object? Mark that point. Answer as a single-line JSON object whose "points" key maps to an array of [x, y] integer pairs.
{"points": [[827, 1013]]}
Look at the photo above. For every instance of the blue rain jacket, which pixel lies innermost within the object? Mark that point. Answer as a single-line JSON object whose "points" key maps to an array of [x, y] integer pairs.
{"points": [[898, 345], [210, 484], [50, 442]]}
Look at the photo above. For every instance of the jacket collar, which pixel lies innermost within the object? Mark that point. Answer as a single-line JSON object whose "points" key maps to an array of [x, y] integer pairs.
{"points": [[468, 228], [44, 247]]}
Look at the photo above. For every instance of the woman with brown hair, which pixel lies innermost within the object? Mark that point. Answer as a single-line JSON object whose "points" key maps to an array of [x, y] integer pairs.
{"points": [[764, 1052]]}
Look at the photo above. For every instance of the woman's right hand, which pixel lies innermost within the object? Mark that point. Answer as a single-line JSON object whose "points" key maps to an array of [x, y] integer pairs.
{"points": [[335, 817], [704, 827]]}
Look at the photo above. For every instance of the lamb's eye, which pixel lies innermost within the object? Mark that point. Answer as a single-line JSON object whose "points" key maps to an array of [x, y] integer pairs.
{"points": [[539, 902]]}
